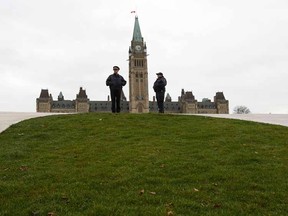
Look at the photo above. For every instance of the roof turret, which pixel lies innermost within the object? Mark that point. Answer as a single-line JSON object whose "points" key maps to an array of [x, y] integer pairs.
{"points": [[44, 93], [60, 97], [219, 96], [82, 94]]}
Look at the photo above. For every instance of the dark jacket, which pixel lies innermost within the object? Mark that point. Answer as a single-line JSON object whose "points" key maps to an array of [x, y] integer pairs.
{"points": [[159, 84], [115, 81]]}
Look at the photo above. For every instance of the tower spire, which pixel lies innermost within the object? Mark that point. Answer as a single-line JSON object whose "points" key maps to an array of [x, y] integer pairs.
{"points": [[137, 36]]}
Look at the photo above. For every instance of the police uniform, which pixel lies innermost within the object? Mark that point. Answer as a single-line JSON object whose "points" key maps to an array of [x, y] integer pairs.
{"points": [[159, 88], [115, 83]]}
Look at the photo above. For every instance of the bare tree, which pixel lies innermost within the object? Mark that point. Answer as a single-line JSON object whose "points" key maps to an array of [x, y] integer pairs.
{"points": [[241, 110]]}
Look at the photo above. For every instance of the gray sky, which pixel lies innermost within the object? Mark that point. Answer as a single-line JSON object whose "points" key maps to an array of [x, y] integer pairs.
{"points": [[238, 47]]}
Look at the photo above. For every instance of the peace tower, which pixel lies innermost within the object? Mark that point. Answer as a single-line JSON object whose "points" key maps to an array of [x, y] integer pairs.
{"points": [[138, 73]]}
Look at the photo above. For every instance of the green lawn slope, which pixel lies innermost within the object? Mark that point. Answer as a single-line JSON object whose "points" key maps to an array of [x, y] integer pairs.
{"points": [[148, 164]]}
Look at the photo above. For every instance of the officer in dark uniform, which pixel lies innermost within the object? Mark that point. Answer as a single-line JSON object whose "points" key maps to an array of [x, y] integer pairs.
{"points": [[159, 88], [115, 83]]}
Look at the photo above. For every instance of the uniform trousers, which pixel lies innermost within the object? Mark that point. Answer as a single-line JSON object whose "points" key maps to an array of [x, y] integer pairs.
{"points": [[115, 98], [160, 101]]}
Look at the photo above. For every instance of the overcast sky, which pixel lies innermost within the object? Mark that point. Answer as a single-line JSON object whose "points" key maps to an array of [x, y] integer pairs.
{"points": [[203, 46]]}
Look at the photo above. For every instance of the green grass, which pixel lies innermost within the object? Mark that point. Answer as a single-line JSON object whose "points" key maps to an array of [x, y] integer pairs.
{"points": [[149, 164]]}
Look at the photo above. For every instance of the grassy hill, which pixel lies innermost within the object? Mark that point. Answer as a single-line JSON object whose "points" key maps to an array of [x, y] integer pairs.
{"points": [[149, 164]]}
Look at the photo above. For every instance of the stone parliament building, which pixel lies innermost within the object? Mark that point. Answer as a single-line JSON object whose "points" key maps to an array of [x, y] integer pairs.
{"points": [[138, 92]]}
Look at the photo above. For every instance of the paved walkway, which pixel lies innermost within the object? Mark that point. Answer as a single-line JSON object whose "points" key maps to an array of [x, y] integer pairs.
{"points": [[277, 119], [9, 118]]}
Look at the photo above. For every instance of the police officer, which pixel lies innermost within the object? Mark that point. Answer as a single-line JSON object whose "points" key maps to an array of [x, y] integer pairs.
{"points": [[159, 88], [115, 83]]}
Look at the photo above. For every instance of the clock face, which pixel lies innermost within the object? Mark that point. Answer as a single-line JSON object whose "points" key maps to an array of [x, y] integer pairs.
{"points": [[138, 47]]}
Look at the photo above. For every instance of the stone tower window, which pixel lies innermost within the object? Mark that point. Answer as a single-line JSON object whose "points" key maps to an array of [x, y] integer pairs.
{"points": [[139, 63]]}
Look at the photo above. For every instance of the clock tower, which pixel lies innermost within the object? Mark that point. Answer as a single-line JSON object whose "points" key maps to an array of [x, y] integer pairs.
{"points": [[138, 73]]}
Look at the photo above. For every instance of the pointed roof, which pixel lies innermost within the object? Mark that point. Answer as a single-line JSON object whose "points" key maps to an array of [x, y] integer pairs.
{"points": [[137, 36], [60, 97], [44, 93], [219, 96], [82, 94]]}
